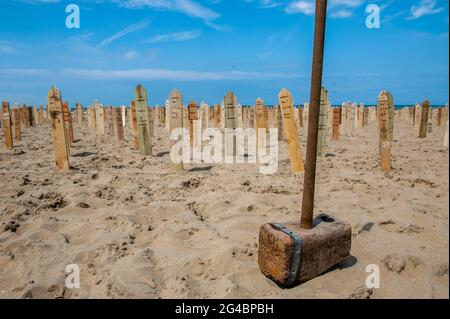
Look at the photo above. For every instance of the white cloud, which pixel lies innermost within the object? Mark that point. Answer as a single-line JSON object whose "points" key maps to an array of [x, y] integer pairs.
{"points": [[336, 8], [124, 32], [188, 7], [164, 74], [304, 7], [177, 37], [131, 55], [426, 7]]}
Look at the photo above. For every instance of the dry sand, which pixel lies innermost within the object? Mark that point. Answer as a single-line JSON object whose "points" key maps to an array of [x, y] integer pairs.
{"points": [[138, 231]]}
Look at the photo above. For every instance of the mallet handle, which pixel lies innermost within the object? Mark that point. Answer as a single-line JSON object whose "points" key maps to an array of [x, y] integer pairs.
{"points": [[313, 122]]}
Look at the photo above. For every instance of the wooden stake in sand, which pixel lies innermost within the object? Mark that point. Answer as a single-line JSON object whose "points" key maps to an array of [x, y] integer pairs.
{"points": [[175, 122], [217, 115], [17, 131], [445, 145], [439, 116], [6, 123], [260, 122], [192, 109], [118, 124], [91, 117], [80, 111], [323, 123], [60, 145], [290, 131], [99, 118], [68, 123], [230, 102], [336, 116], [145, 144], [383, 119], [134, 125], [424, 119]]}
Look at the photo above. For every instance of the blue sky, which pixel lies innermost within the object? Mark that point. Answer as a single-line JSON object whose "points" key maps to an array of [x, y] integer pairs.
{"points": [[205, 48]]}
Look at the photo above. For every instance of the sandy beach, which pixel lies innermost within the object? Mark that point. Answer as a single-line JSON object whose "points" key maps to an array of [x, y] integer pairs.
{"points": [[138, 230]]}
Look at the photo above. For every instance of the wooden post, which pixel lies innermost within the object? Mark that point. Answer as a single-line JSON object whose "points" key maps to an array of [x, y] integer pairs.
{"points": [[323, 123], [313, 123], [336, 116], [439, 116], [192, 108], [67, 124], [145, 143], [17, 131], [118, 125], [385, 142], [290, 131], [91, 117], [41, 115], [80, 111], [260, 122], [424, 119], [445, 145], [175, 121], [99, 118], [60, 145], [6, 123], [230, 124], [217, 115], [134, 125]]}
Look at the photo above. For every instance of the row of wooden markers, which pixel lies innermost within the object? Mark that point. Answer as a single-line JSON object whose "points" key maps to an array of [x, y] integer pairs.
{"points": [[144, 120]]}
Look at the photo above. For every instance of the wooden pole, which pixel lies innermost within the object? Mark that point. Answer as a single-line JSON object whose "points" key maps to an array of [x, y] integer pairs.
{"points": [[313, 122], [424, 119], [290, 131], [6, 122], [60, 143]]}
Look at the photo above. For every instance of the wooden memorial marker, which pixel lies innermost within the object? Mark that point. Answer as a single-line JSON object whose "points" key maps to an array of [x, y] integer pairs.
{"points": [[290, 131], [366, 117], [385, 141], [336, 116], [295, 252], [430, 126], [41, 114], [110, 120], [99, 118], [17, 131], [230, 123], [67, 123], [26, 116], [151, 121], [91, 117], [60, 145], [424, 119], [6, 123], [204, 116], [79, 114], [260, 122], [192, 108], [145, 143], [134, 124], [391, 110], [439, 116], [323, 123], [217, 115], [123, 113], [445, 145], [118, 124], [175, 121], [252, 116], [35, 115]]}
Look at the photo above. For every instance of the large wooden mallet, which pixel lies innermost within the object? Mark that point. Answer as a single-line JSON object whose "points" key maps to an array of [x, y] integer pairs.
{"points": [[295, 252]]}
